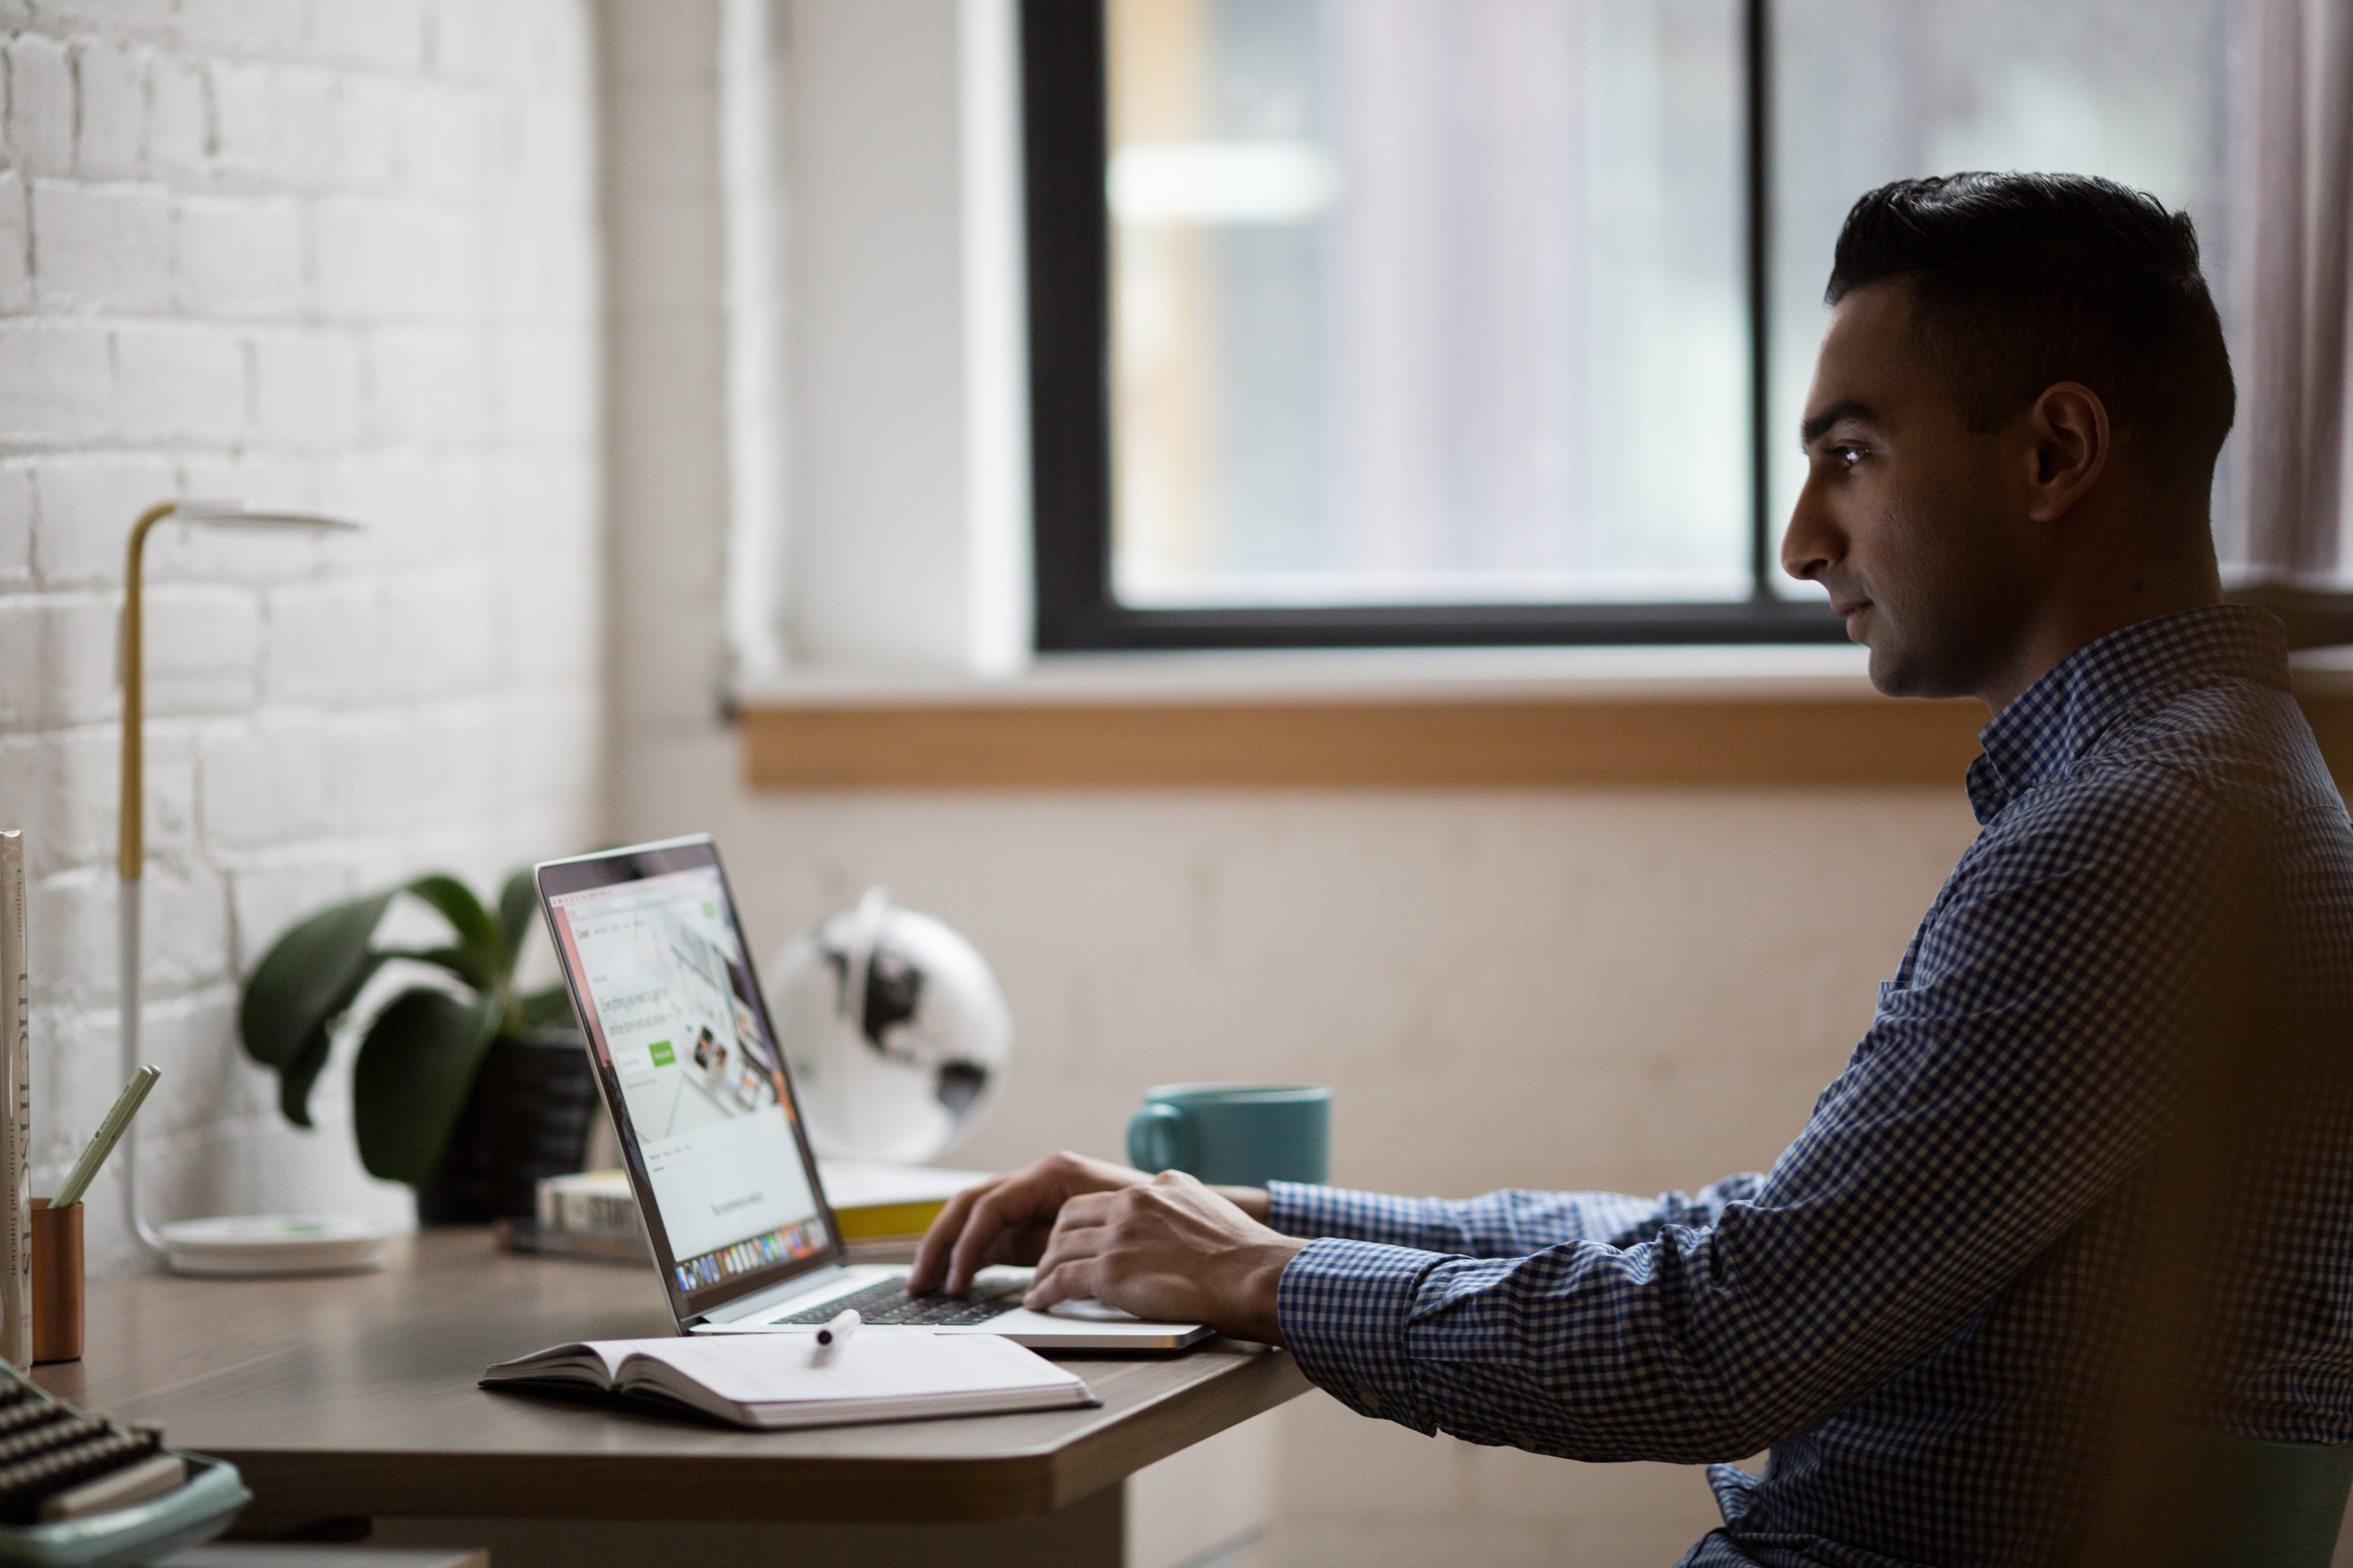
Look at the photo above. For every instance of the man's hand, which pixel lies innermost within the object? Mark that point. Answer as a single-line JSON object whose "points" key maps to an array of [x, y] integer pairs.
{"points": [[1007, 1219], [1170, 1249]]}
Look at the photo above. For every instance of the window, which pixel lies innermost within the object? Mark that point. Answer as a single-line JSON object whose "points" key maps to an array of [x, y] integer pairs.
{"points": [[2134, 89], [1488, 320]]}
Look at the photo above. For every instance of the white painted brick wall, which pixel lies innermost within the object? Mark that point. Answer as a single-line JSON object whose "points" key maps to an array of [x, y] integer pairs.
{"points": [[240, 257], [324, 253], [100, 246], [40, 105]]}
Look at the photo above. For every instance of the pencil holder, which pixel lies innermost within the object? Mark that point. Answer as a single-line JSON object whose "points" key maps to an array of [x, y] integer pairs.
{"points": [[57, 1282]]}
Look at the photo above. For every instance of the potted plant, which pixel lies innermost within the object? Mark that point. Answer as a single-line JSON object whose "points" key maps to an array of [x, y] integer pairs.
{"points": [[464, 1087]]}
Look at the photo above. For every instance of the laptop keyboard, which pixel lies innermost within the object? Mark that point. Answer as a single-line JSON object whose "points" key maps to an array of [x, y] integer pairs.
{"points": [[888, 1302]]}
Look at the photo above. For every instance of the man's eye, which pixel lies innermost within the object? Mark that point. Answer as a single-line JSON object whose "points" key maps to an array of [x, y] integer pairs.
{"points": [[1846, 456]]}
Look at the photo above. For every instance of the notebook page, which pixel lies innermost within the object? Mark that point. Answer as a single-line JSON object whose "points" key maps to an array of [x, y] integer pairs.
{"points": [[767, 1369], [555, 1359]]}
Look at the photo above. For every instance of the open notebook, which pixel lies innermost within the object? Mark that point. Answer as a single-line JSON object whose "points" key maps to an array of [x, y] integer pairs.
{"points": [[783, 1380]]}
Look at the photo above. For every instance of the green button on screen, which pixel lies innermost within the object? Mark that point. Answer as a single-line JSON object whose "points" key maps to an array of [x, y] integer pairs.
{"points": [[661, 1053]]}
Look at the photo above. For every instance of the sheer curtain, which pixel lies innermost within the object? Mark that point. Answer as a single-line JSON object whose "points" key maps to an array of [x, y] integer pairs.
{"points": [[2289, 512]]}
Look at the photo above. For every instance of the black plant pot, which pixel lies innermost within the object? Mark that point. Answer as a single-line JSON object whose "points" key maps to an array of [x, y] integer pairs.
{"points": [[527, 1117]]}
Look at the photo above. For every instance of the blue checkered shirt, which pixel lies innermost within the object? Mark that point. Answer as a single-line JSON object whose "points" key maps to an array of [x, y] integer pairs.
{"points": [[1899, 1309]]}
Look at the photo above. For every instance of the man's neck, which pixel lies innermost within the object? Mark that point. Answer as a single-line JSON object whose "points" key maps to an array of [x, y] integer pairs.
{"points": [[2071, 620]]}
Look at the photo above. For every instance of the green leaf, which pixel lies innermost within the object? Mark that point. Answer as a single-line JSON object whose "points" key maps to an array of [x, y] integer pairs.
{"points": [[457, 961], [518, 912], [415, 1068], [481, 957], [306, 979], [295, 1078]]}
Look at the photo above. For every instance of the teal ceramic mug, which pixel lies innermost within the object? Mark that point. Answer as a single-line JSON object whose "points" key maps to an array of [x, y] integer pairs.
{"points": [[1235, 1134]]}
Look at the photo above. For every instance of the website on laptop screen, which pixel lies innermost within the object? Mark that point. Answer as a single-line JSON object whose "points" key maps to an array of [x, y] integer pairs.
{"points": [[671, 1004]]}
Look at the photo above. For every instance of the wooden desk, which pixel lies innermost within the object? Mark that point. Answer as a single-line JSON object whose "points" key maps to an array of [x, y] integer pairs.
{"points": [[272, 1555], [354, 1396]]}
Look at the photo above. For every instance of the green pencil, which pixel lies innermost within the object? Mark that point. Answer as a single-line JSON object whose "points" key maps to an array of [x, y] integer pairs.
{"points": [[109, 1133]]}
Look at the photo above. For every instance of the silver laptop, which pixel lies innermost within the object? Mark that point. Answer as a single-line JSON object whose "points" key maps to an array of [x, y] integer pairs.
{"points": [[741, 1229]]}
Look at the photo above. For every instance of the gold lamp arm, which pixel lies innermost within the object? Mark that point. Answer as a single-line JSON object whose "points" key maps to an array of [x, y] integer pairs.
{"points": [[130, 853]]}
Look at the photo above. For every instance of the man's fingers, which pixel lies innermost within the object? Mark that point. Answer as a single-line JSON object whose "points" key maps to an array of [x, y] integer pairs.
{"points": [[1019, 1244], [1068, 1281], [997, 1210], [1086, 1210], [1003, 1220], [939, 1238], [932, 1252], [1082, 1241]]}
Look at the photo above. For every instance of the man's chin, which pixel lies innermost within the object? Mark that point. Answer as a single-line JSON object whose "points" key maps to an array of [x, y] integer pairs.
{"points": [[1899, 672], [1892, 674]]}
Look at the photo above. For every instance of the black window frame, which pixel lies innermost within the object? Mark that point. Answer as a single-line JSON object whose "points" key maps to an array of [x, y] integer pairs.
{"points": [[1066, 136]]}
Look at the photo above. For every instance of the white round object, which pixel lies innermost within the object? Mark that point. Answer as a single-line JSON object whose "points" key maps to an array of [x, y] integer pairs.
{"points": [[266, 1244], [896, 1033]]}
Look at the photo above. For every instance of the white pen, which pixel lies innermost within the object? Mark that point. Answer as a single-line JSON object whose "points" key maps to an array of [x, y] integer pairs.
{"points": [[838, 1332]]}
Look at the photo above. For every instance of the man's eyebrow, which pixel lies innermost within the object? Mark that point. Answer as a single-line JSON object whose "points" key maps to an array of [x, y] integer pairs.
{"points": [[1844, 408]]}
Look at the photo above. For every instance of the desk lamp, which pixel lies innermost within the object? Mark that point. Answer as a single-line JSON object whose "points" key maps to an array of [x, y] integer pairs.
{"points": [[265, 1244]]}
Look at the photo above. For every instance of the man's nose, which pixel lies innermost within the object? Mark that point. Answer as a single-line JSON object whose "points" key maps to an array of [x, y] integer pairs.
{"points": [[1812, 544]]}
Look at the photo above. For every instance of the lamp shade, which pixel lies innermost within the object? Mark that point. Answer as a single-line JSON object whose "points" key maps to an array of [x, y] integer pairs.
{"points": [[246, 514]]}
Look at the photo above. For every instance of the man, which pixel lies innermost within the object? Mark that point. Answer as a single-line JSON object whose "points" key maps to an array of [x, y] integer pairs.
{"points": [[2086, 1174]]}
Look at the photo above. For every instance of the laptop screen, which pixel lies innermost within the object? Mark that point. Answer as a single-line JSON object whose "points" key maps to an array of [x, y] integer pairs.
{"points": [[665, 990]]}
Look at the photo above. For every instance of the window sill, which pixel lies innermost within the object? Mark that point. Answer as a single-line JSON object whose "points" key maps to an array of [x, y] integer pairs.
{"points": [[1453, 719], [1369, 675], [1377, 719]]}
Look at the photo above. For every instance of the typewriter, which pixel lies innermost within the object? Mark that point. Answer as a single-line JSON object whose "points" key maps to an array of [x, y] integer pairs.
{"points": [[82, 1492]]}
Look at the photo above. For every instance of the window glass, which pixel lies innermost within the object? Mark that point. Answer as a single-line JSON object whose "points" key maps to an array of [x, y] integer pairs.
{"points": [[1427, 301], [2132, 89]]}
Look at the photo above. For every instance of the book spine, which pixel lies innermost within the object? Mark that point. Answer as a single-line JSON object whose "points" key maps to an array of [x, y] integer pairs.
{"points": [[525, 1236], [15, 1111], [568, 1203], [597, 1214], [878, 1222]]}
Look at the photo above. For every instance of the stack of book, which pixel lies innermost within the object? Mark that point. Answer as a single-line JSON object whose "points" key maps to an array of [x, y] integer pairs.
{"points": [[882, 1211], [590, 1215]]}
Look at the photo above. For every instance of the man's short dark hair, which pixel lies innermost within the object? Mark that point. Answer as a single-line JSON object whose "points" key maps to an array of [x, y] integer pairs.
{"points": [[2020, 281]]}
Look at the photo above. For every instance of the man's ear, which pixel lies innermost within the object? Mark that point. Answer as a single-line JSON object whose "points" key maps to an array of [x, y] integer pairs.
{"points": [[2068, 436]]}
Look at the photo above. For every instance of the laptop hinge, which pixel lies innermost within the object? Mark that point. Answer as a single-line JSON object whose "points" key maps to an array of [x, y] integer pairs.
{"points": [[781, 1291]]}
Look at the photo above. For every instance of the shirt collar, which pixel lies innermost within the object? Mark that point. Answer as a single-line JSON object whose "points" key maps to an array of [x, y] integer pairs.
{"points": [[2049, 727]]}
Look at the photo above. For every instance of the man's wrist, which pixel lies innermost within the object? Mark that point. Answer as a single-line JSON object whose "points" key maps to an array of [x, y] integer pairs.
{"points": [[1256, 1306]]}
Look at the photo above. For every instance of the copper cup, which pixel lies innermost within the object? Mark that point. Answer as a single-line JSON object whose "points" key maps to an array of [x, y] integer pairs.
{"points": [[57, 1282]]}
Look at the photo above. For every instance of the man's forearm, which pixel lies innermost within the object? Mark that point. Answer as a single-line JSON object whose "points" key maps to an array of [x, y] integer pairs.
{"points": [[1507, 1224], [1251, 1201]]}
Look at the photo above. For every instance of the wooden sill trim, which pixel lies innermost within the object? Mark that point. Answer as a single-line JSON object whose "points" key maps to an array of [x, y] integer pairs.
{"points": [[1777, 742], [1359, 744]]}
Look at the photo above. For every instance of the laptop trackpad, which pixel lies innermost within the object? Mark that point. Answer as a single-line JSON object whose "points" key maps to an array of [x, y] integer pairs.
{"points": [[1087, 1310]]}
